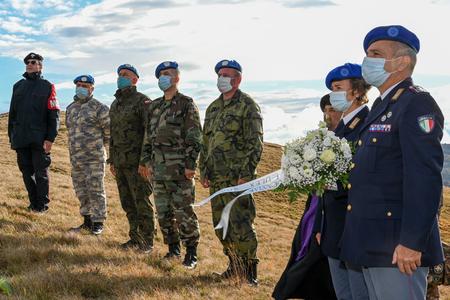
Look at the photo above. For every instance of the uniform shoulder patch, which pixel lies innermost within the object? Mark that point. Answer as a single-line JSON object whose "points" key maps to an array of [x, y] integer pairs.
{"points": [[52, 102], [426, 123], [417, 89]]}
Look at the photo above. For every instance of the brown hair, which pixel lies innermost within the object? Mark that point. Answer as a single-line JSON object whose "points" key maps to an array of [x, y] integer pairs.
{"points": [[361, 87]]}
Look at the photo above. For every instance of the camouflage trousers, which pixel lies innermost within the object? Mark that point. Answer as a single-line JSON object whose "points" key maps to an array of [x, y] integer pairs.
{"points": [[176, 216], [439, 275], [134, 194], [241, 239], [89, 187]]}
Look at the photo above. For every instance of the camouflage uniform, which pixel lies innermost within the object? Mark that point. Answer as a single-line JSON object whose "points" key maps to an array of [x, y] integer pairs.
{"points": [[172, 144], [440, 274], [232, 147], [128, 115], [87, 123]]}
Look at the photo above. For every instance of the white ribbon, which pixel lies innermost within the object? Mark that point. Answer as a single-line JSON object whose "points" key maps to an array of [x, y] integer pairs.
{"points": [[267, 179], [268, 182]]}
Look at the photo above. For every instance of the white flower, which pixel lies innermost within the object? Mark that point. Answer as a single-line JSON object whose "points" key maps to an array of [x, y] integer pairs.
{"points": [[327, 142], [308, 172], [309, 154], [328, 156]]}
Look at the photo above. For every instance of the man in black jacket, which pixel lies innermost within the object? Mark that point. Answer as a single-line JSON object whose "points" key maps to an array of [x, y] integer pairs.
{"points": [[32, 128]]}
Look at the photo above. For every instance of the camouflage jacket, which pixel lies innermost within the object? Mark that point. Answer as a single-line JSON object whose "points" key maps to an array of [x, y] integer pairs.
{"points": [[232, 139], [173, 137], [128, 114], [87, 123]]}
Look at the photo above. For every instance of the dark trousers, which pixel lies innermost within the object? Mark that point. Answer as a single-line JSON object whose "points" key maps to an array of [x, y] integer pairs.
{"points": [[33, 162]]}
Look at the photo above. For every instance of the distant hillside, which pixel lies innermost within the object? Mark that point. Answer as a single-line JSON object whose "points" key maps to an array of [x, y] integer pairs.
{"points": [[446, 169]]}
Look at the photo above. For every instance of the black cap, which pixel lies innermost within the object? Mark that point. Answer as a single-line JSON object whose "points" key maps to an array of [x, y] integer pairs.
{"points": [[33, 55], [324, 101]]}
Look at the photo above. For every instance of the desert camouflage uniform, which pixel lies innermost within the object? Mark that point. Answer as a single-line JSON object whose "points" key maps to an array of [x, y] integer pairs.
{"points": [[232, 147], [128, 115], [87, 122], [172, 144]]}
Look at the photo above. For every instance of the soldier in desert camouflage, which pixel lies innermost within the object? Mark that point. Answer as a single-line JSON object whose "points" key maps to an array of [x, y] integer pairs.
{"points": [[232, 148], [128, 115], [171, 147], [87, 121]]}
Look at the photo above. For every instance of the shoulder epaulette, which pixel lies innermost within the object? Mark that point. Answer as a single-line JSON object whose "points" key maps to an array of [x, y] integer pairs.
{"points": [[397, 94]]}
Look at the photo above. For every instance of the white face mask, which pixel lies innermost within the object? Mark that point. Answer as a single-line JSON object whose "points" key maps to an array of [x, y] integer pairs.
{"points": [[373, 70], [224, 84], [339, 101]]}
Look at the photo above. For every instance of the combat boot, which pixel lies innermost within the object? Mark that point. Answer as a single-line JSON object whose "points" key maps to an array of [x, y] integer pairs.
{"points": [[146, 247], [130, 244], [174, 251], [232, 269], [97, 228], [252, 273], [190, 259], [87, 224]]}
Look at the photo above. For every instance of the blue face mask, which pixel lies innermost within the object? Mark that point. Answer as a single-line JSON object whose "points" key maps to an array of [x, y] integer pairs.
{"points": [[339, 101], [81, 92], [164, 82], [373, 70], [123, 82]]}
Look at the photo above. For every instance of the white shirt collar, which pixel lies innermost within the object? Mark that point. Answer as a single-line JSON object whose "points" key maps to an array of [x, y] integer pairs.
{"points": [[351, 115], [386, 92]]}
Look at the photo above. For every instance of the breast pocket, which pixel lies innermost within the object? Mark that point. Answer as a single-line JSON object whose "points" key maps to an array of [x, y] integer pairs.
{"points": [[377, 144], [231, 123]]}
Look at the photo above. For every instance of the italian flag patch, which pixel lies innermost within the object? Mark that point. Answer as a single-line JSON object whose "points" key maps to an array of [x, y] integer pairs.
{"points": [[426, 123]]}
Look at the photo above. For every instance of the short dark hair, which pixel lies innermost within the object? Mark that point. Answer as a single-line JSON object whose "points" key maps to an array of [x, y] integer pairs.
{"points": [[324, 101]]}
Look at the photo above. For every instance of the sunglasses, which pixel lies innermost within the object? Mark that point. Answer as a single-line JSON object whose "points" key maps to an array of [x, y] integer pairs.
{"points": [[33, 62]]}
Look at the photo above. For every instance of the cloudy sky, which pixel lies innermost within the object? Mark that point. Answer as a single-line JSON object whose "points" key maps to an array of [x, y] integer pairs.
{"points": [[286, 47]]}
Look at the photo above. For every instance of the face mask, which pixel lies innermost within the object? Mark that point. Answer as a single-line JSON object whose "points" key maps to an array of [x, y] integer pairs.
{"points": [[373, 70], [123, 82], [224, 84], [164, 82], [81, 92], [339, 101]]}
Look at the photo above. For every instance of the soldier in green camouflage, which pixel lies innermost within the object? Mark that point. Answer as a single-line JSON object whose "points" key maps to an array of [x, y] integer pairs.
{"points": [[170, 150], [232, 147], [128, 114], [440, 274], [87, 121]]}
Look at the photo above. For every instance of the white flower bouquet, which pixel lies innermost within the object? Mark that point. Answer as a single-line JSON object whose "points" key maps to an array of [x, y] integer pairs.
{"points": [[315, 162]]}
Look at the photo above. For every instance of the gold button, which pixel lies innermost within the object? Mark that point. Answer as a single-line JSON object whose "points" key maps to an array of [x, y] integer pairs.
{"points": [[389, 214], [349, 186], [349, 207], [359, 143], [352, 166], [374, 140]]}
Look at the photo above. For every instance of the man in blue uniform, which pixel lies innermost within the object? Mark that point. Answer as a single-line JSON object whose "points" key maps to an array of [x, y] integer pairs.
{"points": [[32, 128], [391, 227]]}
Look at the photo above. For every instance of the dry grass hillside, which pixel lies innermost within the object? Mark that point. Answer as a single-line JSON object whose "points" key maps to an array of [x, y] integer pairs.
{"points": [[42, 260]]}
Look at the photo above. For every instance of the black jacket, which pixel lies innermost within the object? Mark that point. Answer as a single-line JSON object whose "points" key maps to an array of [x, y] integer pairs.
{"points": [[308, 278], [33, 113]]}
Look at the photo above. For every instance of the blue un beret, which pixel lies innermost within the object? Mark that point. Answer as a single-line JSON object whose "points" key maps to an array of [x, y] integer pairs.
{"points": [[84, 78], [164, 66], [128, 67], [226, 63], [393, 33], [345, 71]]}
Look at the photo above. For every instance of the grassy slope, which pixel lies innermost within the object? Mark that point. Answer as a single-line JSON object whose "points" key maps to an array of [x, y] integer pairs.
{"points": [[43, 261]]}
